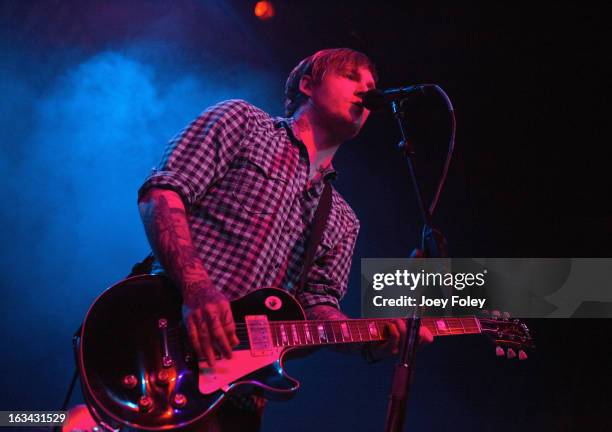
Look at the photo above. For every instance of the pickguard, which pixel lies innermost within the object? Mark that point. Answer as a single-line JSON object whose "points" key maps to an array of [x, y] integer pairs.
{"points": [[227, 371]]}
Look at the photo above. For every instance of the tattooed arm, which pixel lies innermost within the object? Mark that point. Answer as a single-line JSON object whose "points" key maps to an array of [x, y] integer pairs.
{"points": [[206, 311]]}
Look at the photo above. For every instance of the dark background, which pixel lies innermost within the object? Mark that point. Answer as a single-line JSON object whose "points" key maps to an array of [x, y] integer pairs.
{"points": [[92, 90]]}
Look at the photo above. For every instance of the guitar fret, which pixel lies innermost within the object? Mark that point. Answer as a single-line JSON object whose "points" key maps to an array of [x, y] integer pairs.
{"points": [[284, 335], [287, 329], [338, 336], [296, 340], [449, 324], [307, 336], [344, 331], [273, 329], [381, 331], [300, 334], [456, 326], [314, 333], [373, 330], [440, 326], [329, 328], [359, 332], [321, 333]]}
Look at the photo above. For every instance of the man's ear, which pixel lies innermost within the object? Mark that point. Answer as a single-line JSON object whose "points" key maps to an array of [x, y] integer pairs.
{"points": [[305, 86]]}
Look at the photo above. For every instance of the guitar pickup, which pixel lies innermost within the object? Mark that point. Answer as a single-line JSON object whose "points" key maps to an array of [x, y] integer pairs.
{"points": [[260, 335]]}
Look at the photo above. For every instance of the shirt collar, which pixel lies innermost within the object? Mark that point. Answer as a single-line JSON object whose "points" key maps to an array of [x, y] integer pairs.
{"points": [[329, 173]]}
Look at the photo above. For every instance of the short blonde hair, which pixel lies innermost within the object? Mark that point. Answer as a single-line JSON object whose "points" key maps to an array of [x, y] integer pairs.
{"points": [[315, 66]]}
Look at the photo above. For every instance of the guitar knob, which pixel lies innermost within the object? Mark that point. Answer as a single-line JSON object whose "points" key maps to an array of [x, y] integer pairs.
{"points": [[499, 351], [163, 377], [179, 400], [522, 355], [145, 403], [511, 353], [129, 381]]}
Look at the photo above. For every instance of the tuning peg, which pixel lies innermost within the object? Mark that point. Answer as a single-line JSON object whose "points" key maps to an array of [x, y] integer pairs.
{"points": [[522, 355], [499, 351], [511, 353], [506, 315], [495, 314]]}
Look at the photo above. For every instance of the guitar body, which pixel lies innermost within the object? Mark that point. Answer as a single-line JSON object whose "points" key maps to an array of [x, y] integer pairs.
{"points": [[138, 369]]}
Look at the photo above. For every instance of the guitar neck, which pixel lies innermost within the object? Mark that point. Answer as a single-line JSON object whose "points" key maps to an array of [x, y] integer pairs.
{"points": [[331, 332]]}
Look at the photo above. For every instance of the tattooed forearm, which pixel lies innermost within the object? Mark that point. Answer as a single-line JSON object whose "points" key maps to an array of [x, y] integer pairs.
{"points": [[165, 222]]}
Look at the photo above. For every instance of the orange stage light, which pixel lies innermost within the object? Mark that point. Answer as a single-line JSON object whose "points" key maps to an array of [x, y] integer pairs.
{"points": [[264, 10]]}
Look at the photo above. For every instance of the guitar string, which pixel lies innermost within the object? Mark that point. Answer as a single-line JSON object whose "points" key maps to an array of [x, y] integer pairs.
{"points": [[360, 324], [298, 337]]}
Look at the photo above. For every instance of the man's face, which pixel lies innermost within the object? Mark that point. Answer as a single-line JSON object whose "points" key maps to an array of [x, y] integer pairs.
{"points": [[337, 99]]}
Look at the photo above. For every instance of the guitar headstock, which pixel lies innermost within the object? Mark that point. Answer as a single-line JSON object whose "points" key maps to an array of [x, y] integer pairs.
{"points": [[509, 335]]}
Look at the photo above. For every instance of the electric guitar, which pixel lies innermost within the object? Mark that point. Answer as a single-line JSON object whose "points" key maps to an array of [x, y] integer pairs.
{"points": [[138, 370]]}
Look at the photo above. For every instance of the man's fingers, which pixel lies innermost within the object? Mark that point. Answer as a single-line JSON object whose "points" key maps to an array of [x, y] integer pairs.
{"points": [[204, 337], [209, 353], [425, 335], [394, 337], [227, 321], [401, 327], [218, 336], [194, 337], [211, 327]]}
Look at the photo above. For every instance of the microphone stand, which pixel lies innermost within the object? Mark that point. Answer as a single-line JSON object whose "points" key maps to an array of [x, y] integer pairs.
{"points": [[432, 245]]}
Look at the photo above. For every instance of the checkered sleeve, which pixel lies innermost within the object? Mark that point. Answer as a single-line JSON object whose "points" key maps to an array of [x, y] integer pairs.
{"points": [[202, 152], [327, 280]]}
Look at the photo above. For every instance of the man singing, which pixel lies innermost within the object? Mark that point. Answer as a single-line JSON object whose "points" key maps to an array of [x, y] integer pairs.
{"points": [[231, 206]]}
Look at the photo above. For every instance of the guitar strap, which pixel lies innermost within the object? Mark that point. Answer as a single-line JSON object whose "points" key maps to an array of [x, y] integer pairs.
{"points": [[318, 226], [143, 267]]}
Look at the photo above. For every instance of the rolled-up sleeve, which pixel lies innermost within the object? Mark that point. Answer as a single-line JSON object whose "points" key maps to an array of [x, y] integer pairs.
{"points": [[202, 152], [328, 277]]}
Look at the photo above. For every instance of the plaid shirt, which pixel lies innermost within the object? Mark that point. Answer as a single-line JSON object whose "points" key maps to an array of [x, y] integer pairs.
{"points": [[243, 177]]}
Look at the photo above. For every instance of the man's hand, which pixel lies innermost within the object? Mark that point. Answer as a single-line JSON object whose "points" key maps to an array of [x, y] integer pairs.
{"points": [[395, 333], [206, 311], [209, 321]]}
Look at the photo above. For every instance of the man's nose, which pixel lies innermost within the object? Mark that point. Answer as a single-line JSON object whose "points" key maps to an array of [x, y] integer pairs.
{"points": [[361, 90]]}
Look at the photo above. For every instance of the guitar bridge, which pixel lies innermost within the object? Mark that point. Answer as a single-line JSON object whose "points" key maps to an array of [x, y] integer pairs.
{"points": [[260, 336]]}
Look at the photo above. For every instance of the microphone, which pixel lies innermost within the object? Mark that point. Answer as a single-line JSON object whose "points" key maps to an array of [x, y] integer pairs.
{"points": [[376, 99]]}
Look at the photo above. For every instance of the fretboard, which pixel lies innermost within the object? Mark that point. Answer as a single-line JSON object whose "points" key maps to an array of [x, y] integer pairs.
{"points": [[311, 333]]}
